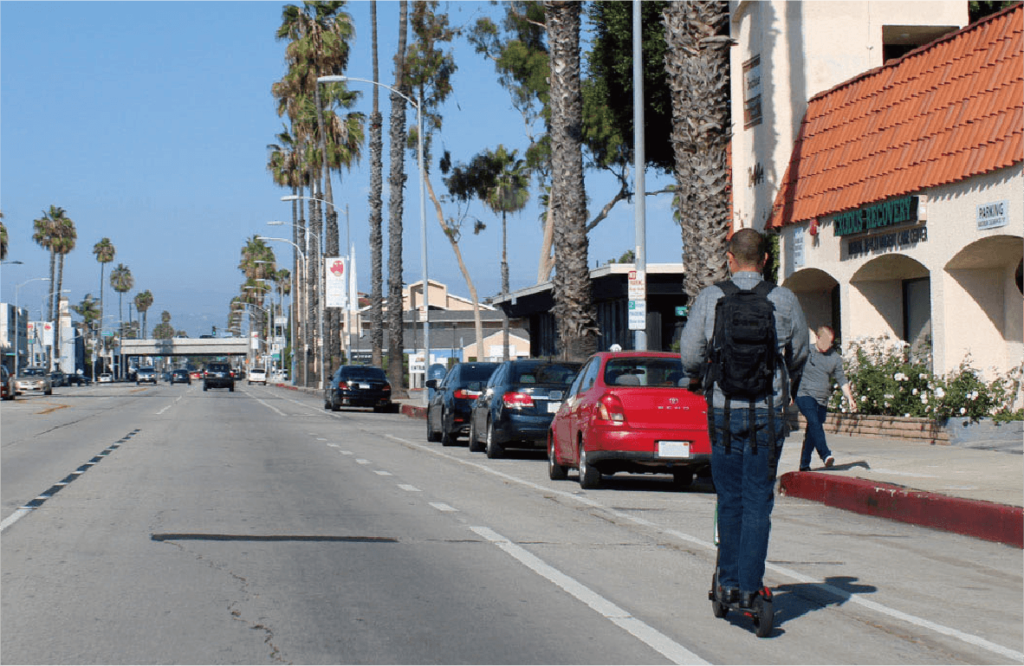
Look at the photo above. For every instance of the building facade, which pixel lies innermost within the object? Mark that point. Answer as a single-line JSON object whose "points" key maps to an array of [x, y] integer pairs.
{"points": [[901, 210]]}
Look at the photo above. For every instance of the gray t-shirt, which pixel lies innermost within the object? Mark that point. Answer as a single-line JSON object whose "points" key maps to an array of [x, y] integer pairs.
{"points": [[821, 371]]}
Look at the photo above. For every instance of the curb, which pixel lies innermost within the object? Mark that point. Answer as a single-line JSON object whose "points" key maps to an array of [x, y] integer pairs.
{"points": [[413, 411], [975, 518]]}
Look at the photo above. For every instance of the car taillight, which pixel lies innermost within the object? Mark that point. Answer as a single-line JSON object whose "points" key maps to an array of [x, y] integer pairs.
{"points": [[463, 394], [610, 409], [517, 400], [342, 386], [387, 388]]}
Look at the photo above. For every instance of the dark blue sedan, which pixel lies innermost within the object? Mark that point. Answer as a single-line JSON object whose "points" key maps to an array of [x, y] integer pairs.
{"points": [[518, 404], [448, 411]]}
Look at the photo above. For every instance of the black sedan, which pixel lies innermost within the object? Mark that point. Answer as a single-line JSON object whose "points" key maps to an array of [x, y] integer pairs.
{"points": [[181, 377], [358, 386], [518, 404], [448, 410]]}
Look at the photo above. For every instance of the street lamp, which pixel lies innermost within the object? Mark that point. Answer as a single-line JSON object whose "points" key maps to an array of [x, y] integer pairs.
{"points": [[417, 103], [17, 331], [305, 347]]}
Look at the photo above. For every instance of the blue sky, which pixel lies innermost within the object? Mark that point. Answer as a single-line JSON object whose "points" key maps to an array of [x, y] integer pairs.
{"points": [[148, 122]]}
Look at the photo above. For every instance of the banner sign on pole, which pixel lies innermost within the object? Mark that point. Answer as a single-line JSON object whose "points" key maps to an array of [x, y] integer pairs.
{"points": [[335, 288]]}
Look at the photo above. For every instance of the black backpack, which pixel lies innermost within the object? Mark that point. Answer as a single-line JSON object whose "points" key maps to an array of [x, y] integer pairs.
{"points": [[742, 354]]}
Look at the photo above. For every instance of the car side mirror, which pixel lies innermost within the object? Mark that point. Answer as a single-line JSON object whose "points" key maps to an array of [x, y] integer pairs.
{"points": [[431, 383]]}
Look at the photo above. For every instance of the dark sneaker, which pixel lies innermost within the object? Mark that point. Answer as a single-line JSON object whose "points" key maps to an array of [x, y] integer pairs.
{"points": [[805, 469], [729, 595]]}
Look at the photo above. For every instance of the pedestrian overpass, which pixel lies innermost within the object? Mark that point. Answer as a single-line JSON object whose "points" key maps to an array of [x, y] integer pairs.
{"points": [[186, 347]]}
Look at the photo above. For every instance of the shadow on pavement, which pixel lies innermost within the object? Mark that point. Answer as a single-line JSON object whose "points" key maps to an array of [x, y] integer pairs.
{"points": [[796, 599]]}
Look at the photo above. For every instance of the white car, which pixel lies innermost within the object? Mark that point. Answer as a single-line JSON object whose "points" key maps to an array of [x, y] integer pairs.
{"points": [[105, 378], [258, 376]]}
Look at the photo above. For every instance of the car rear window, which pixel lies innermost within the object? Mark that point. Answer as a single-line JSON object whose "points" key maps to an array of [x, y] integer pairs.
{"points": [[548, 373], [644, 372], [365, 374], [219, 367], [476, 372]]}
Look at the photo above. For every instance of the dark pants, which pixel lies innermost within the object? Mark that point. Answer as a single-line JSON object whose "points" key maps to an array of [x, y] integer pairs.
{"points": [[745, 483], [814, 433]]}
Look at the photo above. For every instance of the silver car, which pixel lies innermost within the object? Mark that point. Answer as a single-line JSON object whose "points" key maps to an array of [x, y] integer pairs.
{"points": [[146, 374], [33, 380]]}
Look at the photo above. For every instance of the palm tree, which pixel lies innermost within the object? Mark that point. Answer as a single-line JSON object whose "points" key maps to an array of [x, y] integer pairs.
{"points": [[121, 281], [46, 230], [574, 308], [3, 239], [62, 245], [143, 300], [396, 181], [104, 251], [89, 311], [697, 66], [376, 211]]}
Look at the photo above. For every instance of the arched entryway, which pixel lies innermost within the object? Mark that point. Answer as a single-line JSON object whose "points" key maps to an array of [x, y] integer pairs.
{"points": [[890, 296], [818, 293], [984, 305]]}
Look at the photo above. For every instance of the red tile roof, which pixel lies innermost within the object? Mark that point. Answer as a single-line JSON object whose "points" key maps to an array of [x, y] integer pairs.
{"points": [[944, 112]]}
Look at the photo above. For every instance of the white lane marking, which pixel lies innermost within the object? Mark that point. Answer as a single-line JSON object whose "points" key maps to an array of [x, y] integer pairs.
{"points": [[14, 517], [321, 439], [345, 453], [165, 409], [362, 461], [333, 446], [441, 506], [412, 489], [380, 472], [647, 634], [782, 571], [266, 404]]}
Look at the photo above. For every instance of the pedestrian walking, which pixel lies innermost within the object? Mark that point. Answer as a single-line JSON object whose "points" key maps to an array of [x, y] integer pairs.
{"points": [[824, 369], [746, 393]]}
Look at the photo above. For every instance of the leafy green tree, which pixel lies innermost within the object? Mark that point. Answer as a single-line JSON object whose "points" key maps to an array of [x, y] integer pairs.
{"points": [[47, 230], [143, 301], [3, 239], [164, 330], [121, 281]]}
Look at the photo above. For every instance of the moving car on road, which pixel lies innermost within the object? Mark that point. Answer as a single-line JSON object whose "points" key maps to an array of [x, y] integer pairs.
{"points": [[181, 377], [218, 375], [517, 405], [6, 384], [448, 410], [630, 412], [33, 379], [145, 374], [358, 386], [258, 376]]}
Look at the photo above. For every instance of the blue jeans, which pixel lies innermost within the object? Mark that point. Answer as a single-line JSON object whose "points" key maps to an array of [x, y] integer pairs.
{"points": [[814, 433], [745, 483]]}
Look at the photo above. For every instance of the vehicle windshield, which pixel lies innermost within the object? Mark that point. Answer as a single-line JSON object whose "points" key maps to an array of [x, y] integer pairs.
{"points": [[255, 370], [549, 373], [34, 372], [644, 372]]}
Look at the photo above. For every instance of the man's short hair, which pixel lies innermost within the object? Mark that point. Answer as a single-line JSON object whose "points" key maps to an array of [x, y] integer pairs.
{"points": [[748, 247]]}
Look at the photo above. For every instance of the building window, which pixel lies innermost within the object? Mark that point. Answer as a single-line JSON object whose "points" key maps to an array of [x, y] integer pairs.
{"points": [[752, 92]]}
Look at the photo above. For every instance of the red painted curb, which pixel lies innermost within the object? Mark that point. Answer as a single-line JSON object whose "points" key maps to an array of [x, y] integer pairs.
{"points": [[414, 411], [975, 518]]}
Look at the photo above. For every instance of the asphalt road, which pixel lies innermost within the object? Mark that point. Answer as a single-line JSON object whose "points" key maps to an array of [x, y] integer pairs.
{"points": [[255, 527]]}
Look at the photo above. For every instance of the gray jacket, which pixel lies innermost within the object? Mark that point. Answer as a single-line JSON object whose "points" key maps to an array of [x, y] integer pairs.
{"points": [[819, 373], [790, 329]]}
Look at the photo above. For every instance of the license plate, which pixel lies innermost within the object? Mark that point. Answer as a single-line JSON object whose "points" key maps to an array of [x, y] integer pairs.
{"points": [[673, 449], [364, 386], [553, 407]]}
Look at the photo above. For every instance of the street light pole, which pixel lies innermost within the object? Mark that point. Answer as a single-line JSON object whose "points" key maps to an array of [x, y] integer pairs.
{"points": [[305, 269], [417, 103], [17, 313]]}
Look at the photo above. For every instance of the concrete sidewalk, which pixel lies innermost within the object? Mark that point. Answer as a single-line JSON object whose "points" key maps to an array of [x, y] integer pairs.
{"points": [[977, 492]]}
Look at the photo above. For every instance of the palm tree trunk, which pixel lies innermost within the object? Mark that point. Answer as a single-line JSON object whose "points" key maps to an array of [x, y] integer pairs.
{"points": [[56, 325], [574, 307], [332, 324], [376, 211], [547, 262], [477, 323], [396, 181], [504, 286]]}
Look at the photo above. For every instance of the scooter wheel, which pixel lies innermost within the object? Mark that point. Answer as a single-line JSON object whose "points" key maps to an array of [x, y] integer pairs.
{"points": [[719, 609], [764, 616]]}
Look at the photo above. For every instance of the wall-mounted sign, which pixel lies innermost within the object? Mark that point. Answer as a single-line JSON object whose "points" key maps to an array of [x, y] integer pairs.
{"points": [[993, 215], [886, 214], [798, 250], [752, 92], [896, 240]]}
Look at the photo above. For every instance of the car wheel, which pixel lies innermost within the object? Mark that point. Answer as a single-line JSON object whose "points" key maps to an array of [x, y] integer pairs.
{"points": [[474, 437], [556, 472], [493, 449], [232, 388], [446, 436], [590, 476], [205, 387], [50, 392], [682, 478], [432, 435]]}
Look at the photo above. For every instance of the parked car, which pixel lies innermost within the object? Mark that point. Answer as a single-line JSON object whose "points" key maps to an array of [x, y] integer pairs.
{"points": [[448, 410], [58, 378], [630, 412], [145, 374], [78, 379], [517, 405], [105, 378], [258, 376], [33, 379], [358, 386], [218, 375], [181, 377], [6, 384]]}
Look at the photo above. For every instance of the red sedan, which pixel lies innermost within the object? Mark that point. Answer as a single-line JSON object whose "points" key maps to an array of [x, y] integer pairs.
{"points": [[626, 412]]}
